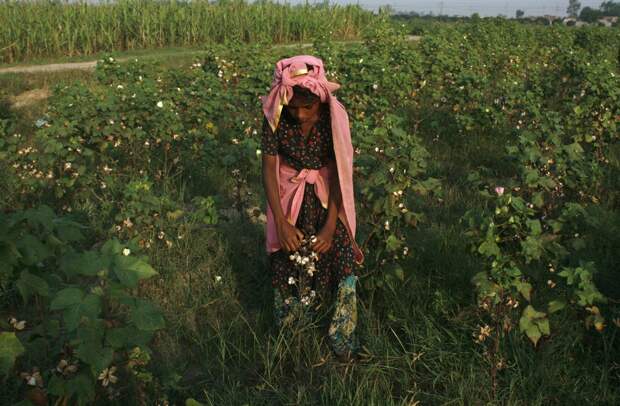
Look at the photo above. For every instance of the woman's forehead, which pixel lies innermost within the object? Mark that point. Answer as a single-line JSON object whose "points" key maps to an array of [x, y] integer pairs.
{"points": [[300, 102]]}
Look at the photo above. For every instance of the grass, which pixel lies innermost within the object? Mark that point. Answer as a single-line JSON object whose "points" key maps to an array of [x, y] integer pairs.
{"points": [[417, 342]]}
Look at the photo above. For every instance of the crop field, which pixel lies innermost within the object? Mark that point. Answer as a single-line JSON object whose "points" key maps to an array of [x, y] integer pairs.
{"points": [[486, 168], [42, 28]]}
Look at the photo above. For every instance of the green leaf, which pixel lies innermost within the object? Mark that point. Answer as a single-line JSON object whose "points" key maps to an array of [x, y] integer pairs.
{"points": [[531, 313], [489, 248], [525, 289], [29, 284], [533, 334], [537, 199], [147, 317], [56, 386], [543, 326], [88, 263], [10, 349], [89, 307], [193, 402], [112, 247], [32, 249], [83, 387], [556, 305], [392, 243], [42, 216], [125, 337], [130, 270], [67, 297], [532, 248], [95, 355], [534, 226], [69, 231]]}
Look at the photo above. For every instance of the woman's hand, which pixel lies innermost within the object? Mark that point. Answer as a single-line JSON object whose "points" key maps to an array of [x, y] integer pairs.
{"points": [[290, 236], [324, 239]]}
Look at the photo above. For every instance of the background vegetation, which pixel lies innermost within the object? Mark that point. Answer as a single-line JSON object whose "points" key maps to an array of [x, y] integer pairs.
{"points": [[487, 165]]}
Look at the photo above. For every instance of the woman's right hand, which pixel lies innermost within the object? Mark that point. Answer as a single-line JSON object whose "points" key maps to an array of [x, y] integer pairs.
{"points": [[290, 236]]}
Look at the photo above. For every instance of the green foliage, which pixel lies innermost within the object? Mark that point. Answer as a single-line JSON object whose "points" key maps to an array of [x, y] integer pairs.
{"points": [[529, 115], [86, 313]]}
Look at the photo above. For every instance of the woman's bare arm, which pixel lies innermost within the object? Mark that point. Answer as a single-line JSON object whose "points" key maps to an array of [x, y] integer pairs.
{"points": [[335, 199], [290, 237]]}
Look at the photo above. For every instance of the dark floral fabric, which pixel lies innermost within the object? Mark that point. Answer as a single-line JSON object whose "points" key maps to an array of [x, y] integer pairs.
{"points": [[334, 281]]}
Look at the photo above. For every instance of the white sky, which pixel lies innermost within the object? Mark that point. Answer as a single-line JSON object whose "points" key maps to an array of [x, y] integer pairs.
{"points": [[467, 7]]}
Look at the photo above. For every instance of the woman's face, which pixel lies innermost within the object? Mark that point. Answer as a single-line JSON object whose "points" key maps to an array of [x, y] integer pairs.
{"points": [[303, 111]]}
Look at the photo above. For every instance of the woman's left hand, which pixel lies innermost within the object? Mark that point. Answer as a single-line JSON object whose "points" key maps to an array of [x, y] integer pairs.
{"points": [[324, 240]]}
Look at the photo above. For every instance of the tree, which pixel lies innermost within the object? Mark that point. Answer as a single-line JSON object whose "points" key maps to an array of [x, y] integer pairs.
{"points": [[573, 8], [610, 8], [590, 15], [520, 13]]}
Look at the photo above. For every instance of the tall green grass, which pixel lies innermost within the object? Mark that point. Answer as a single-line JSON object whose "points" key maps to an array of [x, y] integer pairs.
{"points": [[36, 28]]}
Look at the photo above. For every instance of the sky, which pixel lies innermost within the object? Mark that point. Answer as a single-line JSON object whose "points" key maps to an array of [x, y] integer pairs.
{"points": [[468, 7]]}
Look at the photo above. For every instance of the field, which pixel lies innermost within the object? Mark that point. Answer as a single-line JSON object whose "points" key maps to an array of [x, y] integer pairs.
{"points": [[487, 161]]}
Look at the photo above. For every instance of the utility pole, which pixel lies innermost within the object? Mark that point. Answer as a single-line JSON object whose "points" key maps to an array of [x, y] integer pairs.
{"points": [[441, 8]]}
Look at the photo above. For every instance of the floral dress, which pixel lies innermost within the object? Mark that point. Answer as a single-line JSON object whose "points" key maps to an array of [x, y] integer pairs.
{"points": [[333, 283]]}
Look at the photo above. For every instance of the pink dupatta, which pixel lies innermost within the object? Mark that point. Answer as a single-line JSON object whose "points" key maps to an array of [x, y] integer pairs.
{"points": [[291, 183]]}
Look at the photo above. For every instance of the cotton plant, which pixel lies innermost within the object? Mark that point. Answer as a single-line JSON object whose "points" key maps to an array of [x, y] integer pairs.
{"points": [[305, 261]]}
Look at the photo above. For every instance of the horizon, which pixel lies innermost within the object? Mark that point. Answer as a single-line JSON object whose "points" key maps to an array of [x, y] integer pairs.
{"points": [[485, 8]]}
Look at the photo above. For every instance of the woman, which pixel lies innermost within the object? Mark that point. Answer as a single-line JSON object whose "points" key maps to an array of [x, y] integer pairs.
{"points": [[307, 175]]}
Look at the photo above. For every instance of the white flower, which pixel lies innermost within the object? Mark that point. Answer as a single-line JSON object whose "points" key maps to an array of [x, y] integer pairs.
{"points": [[107, 376], [386, 225], [160, 104], [119, 86], [361, 60], [258, 152], [17, 325], [126, 251], [218, 278], [376, 149], [375, 86], [392, 169], [291, 280], [67, 165]]}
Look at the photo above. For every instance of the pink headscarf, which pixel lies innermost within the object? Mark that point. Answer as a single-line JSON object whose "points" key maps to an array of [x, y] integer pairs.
{"points": [[288, 73]]}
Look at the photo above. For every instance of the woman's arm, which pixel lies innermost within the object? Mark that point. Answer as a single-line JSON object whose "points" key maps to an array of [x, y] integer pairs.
{"points": [[290, 237], [335, 200]]}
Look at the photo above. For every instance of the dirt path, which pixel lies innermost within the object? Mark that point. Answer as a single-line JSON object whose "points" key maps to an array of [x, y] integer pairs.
{"points": [[58, 67]]}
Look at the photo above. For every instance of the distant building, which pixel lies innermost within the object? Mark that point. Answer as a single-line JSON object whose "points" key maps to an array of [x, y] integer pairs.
{"points": [[573, 22], [569, 20], [608, 21], [550, 19]]}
